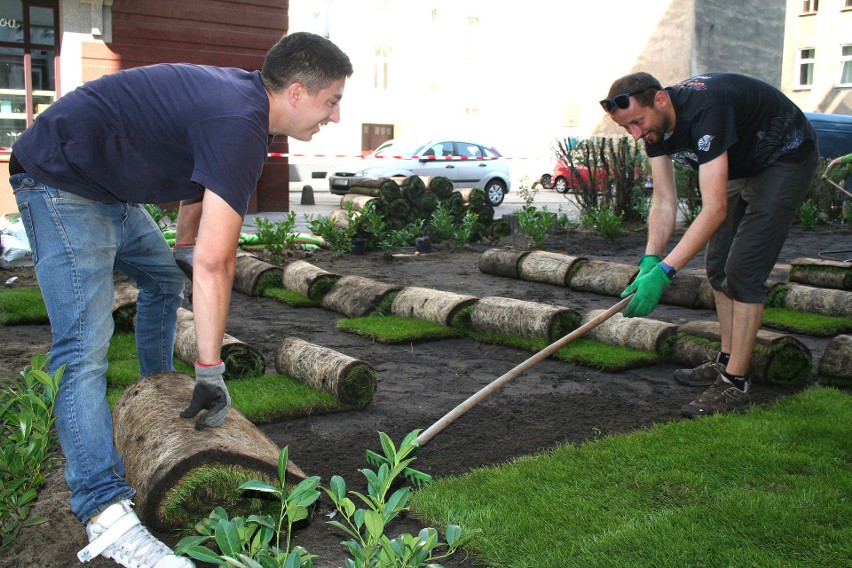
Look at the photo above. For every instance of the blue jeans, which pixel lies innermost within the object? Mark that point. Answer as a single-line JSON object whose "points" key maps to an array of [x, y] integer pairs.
{"points": [[76, 245]]}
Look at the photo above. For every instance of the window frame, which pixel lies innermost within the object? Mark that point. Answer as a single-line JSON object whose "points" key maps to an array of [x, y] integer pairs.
{"points": [[801, 62], [845, 59]]}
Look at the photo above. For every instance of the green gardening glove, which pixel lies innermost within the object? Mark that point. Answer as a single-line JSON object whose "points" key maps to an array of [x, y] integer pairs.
{"points": [[647, 263], [648, 289]]}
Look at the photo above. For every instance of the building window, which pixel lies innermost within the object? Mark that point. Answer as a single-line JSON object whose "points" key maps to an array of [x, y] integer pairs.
{"points": [[28, 51], [810, 6], [845, 66], [380, 68], [806, 67]]}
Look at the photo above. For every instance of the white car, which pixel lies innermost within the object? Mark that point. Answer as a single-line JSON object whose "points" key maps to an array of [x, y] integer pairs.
{"points": [[466, 164]]}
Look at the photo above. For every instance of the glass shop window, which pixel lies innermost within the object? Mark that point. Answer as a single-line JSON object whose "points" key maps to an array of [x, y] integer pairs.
{"points": [[28, 50]]}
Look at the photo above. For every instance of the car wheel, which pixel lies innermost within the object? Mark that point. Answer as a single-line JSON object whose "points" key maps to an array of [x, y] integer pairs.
{"points": [[546, 181], [495, 191], [561, 185]]}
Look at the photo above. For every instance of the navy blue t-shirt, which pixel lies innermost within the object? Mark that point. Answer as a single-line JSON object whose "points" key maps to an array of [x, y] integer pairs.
{"points": [[154, 134], [725, 112]]}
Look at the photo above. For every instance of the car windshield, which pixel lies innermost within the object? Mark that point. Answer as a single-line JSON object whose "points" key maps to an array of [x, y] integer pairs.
{"points": [[397, 148]]}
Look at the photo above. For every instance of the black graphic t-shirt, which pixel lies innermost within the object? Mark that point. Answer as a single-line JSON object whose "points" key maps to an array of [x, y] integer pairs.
{"points": [[725, 112]]}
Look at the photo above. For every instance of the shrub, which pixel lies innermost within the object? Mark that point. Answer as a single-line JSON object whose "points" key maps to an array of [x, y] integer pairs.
{"points": [[26, 419], [276, 236]]}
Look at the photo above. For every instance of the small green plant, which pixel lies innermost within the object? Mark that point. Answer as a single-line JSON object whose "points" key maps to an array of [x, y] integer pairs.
{"points": [[248, 542], [372, 225], [26, 416], [368, 544], [277, 236], [444, 227], [536, 224], [164, 219], [604, 222], [337, 235], [809, 215]]}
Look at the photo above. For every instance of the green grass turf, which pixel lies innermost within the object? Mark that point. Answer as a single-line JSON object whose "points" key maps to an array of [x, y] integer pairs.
{"points": [[816, 325], [24, 305], [396, 329], [292, 299], [260, 399], [768, 488]]}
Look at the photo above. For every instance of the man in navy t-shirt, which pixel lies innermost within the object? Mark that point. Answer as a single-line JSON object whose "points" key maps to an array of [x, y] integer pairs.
{"points": [[756, 155], [151, 135]]}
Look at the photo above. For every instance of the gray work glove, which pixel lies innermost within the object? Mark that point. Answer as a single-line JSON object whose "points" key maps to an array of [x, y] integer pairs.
{"points": [[183, 258], [211, 394]]}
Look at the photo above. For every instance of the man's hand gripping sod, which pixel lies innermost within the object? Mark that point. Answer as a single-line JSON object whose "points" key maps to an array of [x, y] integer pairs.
{"points": [[211, 394], [648, 287]]}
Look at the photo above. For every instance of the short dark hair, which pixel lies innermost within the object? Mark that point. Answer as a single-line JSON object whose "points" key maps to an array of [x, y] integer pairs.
{"points": [[305, 58], [643, 84]]}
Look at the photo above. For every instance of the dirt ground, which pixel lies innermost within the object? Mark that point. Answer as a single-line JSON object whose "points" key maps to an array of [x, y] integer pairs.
{"points": [[552, 403]]}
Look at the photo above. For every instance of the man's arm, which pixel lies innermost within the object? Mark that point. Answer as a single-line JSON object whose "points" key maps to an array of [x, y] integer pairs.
{"points": [[713, 183], [213, 274], [663, 212]]}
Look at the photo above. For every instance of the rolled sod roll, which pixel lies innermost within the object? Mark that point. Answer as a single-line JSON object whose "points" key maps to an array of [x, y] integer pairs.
{"points": [[547, 267], [637, 333], [357, 202], [521, 318], [412, 187], [776, 358], [159, 448], [689, 291], [602, 277], [441, 186], [502, 262], [836, 361], [252, 276], [241, 360], [472, 196], [124, 305], [825, 301], [340, 217], [821, 273], [431, 305], [308, 280], [357, 296], [349, 380]]}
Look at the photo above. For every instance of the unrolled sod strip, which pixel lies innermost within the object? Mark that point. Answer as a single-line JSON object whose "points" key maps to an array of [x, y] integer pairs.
{"points": [[776, 359], [547, 267], [637, 333], [824, 301], [357, 296], [602, 277], [308, 280], [431, 305], [522, 318], [821, 273], [241, 360], [351, 381], [836, 360], [252, 276], [159, 448], [502, 262]]}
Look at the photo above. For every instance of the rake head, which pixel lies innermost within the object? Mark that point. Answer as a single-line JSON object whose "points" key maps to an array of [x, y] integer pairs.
{"points": [[417, 478]]}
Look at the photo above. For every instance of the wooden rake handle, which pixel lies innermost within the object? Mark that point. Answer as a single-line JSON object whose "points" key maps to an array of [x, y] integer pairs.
{"points": [[838, 186], [498, 383]]}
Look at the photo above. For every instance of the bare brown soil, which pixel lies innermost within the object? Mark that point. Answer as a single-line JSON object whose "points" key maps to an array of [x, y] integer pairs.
{"points": [[552, 403]]}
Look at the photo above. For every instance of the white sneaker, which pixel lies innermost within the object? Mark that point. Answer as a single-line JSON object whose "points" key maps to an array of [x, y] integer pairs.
{"points": [[118, 534]]}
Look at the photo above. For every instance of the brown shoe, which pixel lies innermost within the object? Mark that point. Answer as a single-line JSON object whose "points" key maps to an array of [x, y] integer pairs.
{"points": [[701, 376], [722, 396]]}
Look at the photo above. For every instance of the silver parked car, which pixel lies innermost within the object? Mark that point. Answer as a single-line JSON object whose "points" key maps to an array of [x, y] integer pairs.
{"points": [[466, 164]]}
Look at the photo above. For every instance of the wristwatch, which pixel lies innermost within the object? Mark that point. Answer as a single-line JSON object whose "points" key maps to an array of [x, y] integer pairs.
{"points": [[668, 270]]}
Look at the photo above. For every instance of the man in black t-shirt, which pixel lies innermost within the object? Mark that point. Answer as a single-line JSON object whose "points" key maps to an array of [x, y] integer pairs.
{"points": [[756, 155]]}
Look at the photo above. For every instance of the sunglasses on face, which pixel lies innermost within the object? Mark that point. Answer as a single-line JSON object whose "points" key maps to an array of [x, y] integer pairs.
{"points": [[622, 101]]}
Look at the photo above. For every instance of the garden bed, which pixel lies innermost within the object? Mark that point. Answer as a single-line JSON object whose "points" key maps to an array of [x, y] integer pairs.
{"points": [[418, 383]]}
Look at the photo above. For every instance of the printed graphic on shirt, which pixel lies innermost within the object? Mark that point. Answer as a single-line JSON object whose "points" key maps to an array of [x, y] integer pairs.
{"points": [[686, 158], [778, 139], [704, 142], [695, 83]]}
